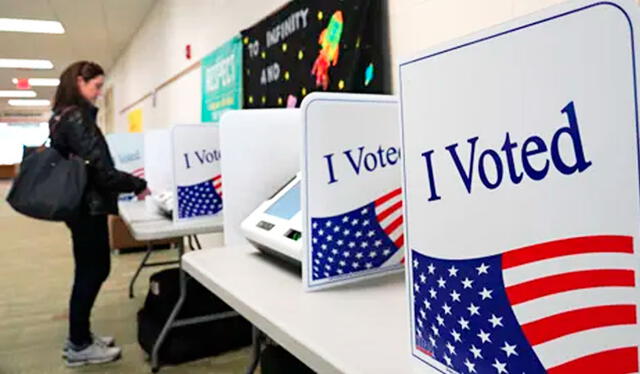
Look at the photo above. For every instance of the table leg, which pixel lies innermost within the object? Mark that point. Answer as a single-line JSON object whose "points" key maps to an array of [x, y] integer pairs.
{"points": [[142, 264], [257, 350], [155, 366], [198, 246]]}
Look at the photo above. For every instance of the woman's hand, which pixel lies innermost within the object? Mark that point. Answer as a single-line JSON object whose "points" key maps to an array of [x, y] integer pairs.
{"points": [[142, 195]]}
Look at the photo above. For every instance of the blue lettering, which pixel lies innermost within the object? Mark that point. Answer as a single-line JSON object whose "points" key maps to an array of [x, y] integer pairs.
{"points": [[465, 175], [433, 194], [332, 177], [540, 147], [573, 131], [483, 171]]}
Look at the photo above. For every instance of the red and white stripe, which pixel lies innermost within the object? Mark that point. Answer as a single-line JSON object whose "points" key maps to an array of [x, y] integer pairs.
{"points": [[576, 302], [217, 184], [389, 214], [139, 172]]}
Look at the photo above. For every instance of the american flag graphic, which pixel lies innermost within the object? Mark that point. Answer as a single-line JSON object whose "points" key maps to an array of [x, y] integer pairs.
{"points": [[366, 238], [200, 199], [139, 172], [566, 306]]}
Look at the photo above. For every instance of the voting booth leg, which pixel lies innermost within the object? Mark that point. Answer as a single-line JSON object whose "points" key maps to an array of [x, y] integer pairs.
{"points": [[144, 264], [174, 313], [257, 350]]}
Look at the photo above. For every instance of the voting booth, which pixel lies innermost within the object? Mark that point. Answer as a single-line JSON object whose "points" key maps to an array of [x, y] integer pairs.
{"points": [[351, 193], [261, 150], [197, 175], [520, 179], [127, 150]]}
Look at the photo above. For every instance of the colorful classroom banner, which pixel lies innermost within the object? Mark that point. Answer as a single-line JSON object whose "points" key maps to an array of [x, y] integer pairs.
{"points": [[196, 171], [352, 200], [522, 199], [316, 45], [222, 80]]}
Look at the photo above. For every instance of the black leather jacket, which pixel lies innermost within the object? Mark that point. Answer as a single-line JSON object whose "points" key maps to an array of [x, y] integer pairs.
{"points": [[76, 132]]}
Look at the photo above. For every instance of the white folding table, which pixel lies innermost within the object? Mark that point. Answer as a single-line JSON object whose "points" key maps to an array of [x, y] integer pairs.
{"points": [[147, 225], [361, 328]]}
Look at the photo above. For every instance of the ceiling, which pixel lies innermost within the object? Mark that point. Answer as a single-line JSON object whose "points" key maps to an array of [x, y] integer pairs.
{"points": [[96, 30]]}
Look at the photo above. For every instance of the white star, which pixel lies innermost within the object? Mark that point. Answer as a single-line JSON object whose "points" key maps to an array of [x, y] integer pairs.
{"points": [[415, 264], [315, 225], [346, 232], [423, 314], [477, 353], [455, 295], [448, 360], [456, 336], [484, 336], [416, 287], [358, 234], [371, 233], [372, 254], [423, 278], [496, 321], [464, 324], [340, 242], [330, 259], [359, 255], [432, 341], [386, 252], [435, 330], [329, 238], [447, 309], [470, 367], [420, 323], [441, 283], [440, 320], [451, 349], [324, 247], [482, 269], [328, 224], [336, 229], [342, 263], [377, 243], [365, 222], [370, 265], [501, 367], [321, 232], [509, 349], [334, 251], [340, 271], [453, 271], [364, 211], [315, 240], [473, 309], [485, 293], [346, 254], [355, 265], [345, 219], [364, 245], [467, 283], [427, 304], [432, 293], [354, 222], [431, 268]]}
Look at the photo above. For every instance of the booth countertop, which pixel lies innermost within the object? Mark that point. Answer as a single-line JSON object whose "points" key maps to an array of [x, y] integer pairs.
{"points": [[147, 225], [359, 328]]}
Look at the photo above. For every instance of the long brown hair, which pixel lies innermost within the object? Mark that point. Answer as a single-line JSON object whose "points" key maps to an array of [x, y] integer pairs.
{"points": [[67, 93]]}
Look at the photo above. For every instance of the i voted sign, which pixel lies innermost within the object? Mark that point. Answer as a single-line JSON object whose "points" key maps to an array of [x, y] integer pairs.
{"points": [[196, 165], [520, 179], [351, 188], [127, 150]]}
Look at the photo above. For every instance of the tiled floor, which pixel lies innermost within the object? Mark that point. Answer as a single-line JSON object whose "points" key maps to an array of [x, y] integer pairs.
{"points": [[35, 278]]}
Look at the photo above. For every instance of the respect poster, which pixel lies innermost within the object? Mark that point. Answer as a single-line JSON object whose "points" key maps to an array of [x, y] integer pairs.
{"points": [[222, 80], [315, 45]]}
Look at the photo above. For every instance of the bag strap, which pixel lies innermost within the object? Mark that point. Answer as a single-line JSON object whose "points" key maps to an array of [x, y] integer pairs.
{"points": [[56, 121]]}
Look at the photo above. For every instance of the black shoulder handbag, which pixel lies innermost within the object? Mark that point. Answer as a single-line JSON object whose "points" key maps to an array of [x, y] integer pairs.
{"points": [[49, 186]]}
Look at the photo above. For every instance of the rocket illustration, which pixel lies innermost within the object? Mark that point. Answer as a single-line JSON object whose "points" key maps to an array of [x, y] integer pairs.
{"points": [[330, 50]]}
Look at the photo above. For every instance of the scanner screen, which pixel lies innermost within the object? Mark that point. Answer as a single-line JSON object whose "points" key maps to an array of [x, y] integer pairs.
{"points": [[287, 205]]}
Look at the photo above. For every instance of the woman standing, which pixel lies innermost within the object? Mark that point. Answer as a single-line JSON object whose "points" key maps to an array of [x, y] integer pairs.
{"points": [[73, 130]]}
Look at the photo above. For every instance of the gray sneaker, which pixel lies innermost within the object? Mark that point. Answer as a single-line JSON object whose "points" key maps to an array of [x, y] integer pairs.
{"points": [[107, 341], [96, 353]]}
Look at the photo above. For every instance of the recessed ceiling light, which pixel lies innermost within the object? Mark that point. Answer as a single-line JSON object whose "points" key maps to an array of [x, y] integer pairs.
{"points": [[17, 93], [20, 63], [19, 102], [40, 82], [48, 82], [31, 25]]}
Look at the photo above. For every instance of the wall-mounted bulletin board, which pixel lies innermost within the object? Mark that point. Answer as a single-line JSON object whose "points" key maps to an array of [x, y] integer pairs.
{"points": [[314, 45]]}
